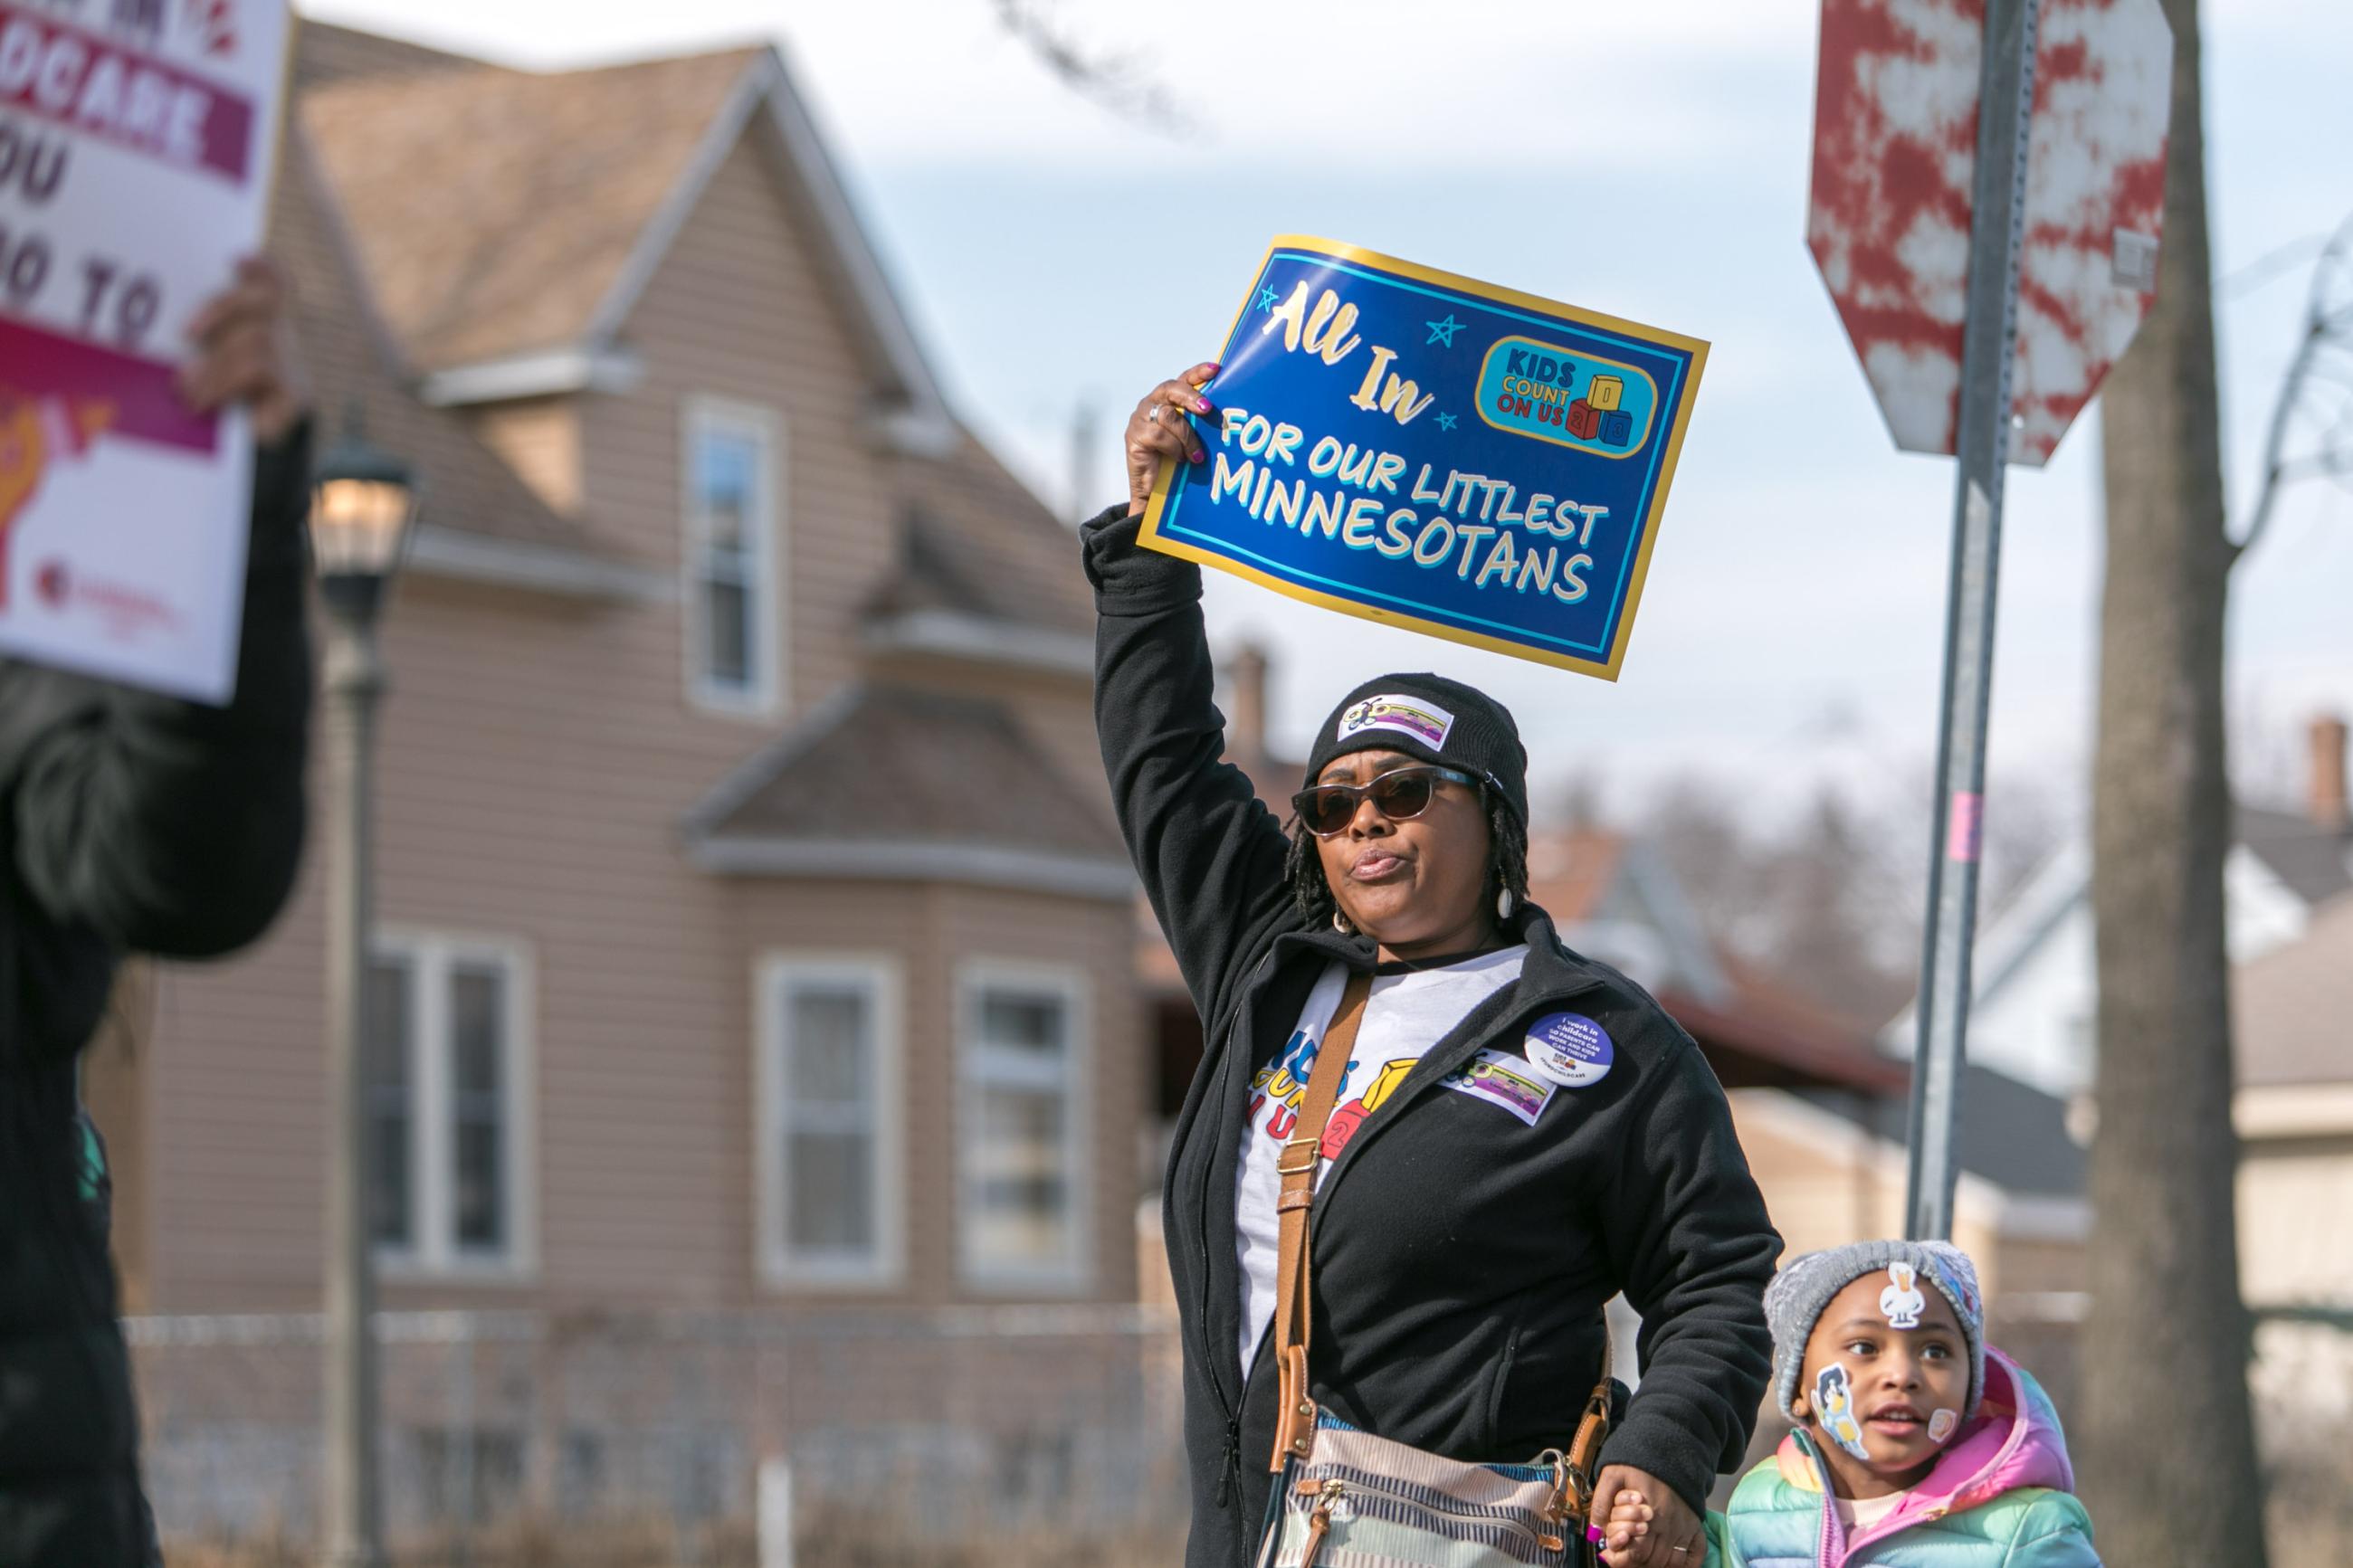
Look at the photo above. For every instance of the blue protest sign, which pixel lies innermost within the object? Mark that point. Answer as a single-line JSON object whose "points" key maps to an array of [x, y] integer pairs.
{"points": [[1435, 452]]}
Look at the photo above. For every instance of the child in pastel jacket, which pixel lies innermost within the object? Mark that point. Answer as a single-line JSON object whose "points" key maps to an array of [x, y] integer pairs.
{"points": [[1916, 1445]]}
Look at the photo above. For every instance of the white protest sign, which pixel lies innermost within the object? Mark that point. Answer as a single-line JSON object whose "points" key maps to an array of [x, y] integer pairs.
{"points": [[137, 139]]}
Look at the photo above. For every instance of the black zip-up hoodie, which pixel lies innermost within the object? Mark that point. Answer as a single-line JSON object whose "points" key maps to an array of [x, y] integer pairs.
{"points": [[128, 821], [1461, 1258]]}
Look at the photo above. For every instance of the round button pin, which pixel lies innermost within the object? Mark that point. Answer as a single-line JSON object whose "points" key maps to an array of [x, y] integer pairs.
{"points": [[1571, 1049]]}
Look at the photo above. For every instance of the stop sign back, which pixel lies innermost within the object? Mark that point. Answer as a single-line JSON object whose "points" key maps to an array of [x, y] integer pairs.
{"points": [[1895, 137]]}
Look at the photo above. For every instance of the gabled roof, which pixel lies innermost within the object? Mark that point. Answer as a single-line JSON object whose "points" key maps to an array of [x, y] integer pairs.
{"points": [[2010, 1134], [477, 518], [325, 53], [977, 542], [2293, 1008], [1759, 1033], [2314, 863], [906, 785], [507, 215], [496, 209]]}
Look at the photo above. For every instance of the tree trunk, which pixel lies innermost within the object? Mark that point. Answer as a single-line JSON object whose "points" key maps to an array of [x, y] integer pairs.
{"points": [[2167, 1440]]}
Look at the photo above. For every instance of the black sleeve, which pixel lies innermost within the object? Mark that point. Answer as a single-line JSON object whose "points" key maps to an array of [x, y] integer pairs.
{"points": [[172, 827], [1688, 1233], [1210, 856]]}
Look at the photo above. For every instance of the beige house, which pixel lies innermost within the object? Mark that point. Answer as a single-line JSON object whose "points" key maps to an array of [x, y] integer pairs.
{"points": [[2293, 1107], [753, 930]]}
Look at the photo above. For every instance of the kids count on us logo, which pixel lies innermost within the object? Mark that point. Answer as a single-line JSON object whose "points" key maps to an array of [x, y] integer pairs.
{"points": [[1572, 399]]}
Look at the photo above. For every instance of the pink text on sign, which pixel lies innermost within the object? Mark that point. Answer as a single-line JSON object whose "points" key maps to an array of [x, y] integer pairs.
{"points": [[75, 79]]}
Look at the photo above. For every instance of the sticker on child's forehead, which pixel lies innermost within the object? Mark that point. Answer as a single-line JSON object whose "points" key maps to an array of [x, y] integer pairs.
{"points": [[1901, 1302], [1570, 1048], [1425, 721]]}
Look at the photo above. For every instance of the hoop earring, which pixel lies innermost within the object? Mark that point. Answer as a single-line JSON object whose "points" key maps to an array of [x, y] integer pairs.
{"points": [[1504, 903], [1340, 923]]}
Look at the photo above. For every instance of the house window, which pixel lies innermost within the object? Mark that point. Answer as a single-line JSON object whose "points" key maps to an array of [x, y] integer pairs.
{"points": [[734, 626], [445, 1095], [828, 1122], [1022, 1058], [389, 1095]]}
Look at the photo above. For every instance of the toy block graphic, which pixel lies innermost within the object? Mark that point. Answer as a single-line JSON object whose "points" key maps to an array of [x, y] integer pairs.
{"points": [[1606, 392], [1617, 427], [33, 435], [1583, 420]]}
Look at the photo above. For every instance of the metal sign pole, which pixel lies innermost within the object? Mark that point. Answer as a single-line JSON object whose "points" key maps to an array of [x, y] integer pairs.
{"points": [[1996, 234]]}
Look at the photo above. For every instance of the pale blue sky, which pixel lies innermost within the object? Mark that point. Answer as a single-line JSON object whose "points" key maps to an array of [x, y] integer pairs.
{"points": [[1647, 160]]}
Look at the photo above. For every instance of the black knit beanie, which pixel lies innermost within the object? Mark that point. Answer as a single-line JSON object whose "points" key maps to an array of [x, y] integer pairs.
{"points": [[1436, 719]]}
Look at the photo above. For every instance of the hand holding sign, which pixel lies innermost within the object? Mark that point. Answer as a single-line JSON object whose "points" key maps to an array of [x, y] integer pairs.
{"points": [[1158, 431], [244, 354]]}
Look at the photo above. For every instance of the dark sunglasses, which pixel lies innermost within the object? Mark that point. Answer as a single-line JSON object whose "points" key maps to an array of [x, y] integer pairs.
{"points": [[1399, 795]]}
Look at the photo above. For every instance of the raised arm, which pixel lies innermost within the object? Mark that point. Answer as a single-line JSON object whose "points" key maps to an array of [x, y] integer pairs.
{"points": [[1210, 856], [175, 828]]}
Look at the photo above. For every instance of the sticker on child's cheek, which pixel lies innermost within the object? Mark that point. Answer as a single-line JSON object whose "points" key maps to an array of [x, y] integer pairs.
{"points": [[1941, 1424], [1902, 1301], [1834, 1409]]}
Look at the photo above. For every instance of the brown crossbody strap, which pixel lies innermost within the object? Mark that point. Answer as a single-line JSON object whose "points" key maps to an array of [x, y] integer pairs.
{"points": [[1297, 1163]]}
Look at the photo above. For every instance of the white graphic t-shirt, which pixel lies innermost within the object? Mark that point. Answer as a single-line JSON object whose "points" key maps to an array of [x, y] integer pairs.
{"points": [[1404, 1016]]}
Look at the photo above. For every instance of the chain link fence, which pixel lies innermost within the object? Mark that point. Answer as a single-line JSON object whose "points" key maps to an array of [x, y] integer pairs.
{"points": [[1038, 1434]]}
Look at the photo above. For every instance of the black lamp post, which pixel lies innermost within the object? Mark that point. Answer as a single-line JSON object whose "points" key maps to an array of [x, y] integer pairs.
{"points": [[359, 520]]}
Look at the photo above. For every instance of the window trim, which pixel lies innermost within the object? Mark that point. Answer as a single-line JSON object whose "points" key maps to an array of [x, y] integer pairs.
{"points": [[433, 1252], [761, 698], [1069, 983], [779, 1265]]}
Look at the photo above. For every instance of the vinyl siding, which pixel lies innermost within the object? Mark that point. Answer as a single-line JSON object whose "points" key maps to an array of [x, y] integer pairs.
{"points": [[535, 758]]}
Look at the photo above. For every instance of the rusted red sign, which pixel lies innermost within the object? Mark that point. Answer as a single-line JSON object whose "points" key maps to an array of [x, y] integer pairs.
{"points": [[1895, 135]]}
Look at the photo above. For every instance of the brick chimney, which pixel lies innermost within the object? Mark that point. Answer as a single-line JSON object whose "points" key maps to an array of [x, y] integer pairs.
{"points": [[2326, 802], [1247, 737]]}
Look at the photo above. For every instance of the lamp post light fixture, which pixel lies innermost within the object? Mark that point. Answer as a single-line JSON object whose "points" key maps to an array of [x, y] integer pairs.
{"points": [[365, 501]]}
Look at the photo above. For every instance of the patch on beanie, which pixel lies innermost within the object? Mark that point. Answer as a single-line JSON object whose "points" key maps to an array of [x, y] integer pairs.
{"points": [[1959, 1285], [1426, 722]]}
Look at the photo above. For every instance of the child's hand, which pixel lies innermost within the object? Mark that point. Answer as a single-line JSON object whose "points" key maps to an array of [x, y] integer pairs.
{"points": [[1648, 1525], [1628, 1520]]}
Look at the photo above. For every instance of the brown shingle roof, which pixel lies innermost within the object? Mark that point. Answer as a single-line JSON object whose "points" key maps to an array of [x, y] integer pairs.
{"points": [[465, 486], [495, 209], [979, 542], [889, 764], [325, 53], [1765, 1035]]}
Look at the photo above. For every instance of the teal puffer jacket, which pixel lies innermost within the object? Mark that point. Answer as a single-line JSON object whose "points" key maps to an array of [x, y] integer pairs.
{"points": [[2001, 1497]]}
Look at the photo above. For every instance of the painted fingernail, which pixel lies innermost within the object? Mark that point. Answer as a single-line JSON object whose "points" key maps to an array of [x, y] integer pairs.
{"points": [[1201, 457], [1593, 1534], [1208, 407]]}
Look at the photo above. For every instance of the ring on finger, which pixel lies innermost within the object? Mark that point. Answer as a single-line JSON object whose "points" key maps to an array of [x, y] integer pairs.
{"points": [[1151, 413]]}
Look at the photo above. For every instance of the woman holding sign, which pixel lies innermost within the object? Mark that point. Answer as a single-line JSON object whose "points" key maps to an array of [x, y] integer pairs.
{"points": [[130, 822], [1519, 1133]]}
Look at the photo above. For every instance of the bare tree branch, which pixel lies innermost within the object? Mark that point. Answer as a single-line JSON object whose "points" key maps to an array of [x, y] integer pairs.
{"points": [[1117, 81], [2318, 387]]}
